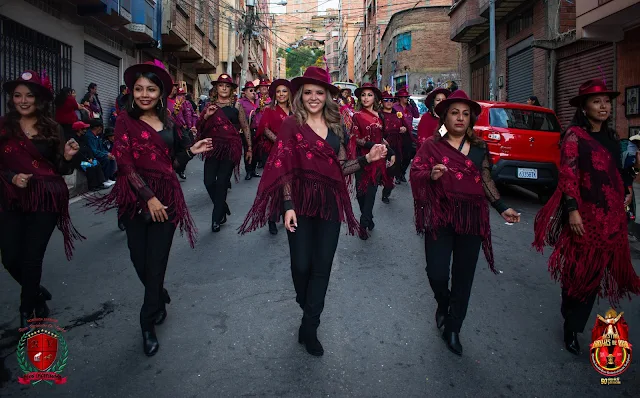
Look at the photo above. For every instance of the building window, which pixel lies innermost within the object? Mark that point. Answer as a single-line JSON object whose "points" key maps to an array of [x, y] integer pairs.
{"points": [[403, 42], [212, 32], [199, 13], [522, 22], [335, 46]]}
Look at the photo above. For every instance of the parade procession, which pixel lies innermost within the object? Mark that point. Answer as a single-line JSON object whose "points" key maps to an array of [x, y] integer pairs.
{"points": [[325, 198]]}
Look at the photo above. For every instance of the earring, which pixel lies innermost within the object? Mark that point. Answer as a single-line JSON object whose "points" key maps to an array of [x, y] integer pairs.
{"points": [[133, 105], [161, 104]]}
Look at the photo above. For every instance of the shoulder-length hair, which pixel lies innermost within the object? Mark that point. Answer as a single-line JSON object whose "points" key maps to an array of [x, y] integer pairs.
{"points": [[161, 105], [330, 113], [471, 135], [48, 129], [213, 95], [274, 102], [376, 104]]}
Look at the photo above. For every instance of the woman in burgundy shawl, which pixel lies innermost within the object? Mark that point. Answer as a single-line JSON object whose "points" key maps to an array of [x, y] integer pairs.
{"points": [[395, 128], [430, 122], [451, 182], [304, 175], [272, 118], [367, 131], [34, 198], [147, 193], [223, 120], [585, 219]]}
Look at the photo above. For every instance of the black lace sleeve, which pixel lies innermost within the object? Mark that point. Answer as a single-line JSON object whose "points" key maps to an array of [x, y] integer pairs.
{"points": [[490, 189], [181, 143], [350, 166]]}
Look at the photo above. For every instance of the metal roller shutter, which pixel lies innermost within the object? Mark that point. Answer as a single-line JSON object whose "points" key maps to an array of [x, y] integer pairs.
{"points": [[520, 76], [107, 77], [577, 69]]}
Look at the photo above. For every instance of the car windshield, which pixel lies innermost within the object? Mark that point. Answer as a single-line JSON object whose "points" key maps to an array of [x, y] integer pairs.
{"points": [[523, 119]]}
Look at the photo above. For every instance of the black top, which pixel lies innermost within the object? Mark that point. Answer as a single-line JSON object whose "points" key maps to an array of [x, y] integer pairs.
{"points": [[481, 159], [232, 113]]}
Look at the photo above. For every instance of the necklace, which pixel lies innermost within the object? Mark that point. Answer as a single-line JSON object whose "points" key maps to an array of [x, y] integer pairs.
{"points": [[28, 134]]}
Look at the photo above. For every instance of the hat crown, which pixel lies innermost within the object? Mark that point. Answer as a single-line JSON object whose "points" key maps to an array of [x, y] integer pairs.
{"points": [[592, 86], [459, 94], [313, 72], [386, 94]]}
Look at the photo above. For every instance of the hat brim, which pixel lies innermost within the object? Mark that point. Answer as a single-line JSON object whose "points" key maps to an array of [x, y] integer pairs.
{"points": [[300, 81], [375, 90], [278, 82], [577, 100], [475, 107], [133, 71], [9, 87], [434, 93]]}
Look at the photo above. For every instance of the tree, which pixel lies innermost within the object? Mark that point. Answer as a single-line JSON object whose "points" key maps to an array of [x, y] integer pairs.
{"points": [[299, 58]]}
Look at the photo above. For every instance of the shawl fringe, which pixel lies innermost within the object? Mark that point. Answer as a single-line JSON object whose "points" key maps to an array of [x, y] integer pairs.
{"points": [[225, 149]]}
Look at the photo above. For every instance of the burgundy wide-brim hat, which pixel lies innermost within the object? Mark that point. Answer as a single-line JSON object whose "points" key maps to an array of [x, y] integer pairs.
{"points": [[402, 93], [369, 86], [592, 87], [314, 75], [181, 90], [248, 85], [34, 81], [264, 82], [387, 95], [455, 97], [432, 95], [274, 86], [224, 78], [157, 68]]}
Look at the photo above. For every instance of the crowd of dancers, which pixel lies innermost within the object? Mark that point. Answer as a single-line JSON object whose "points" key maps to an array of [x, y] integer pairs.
{"points": [[317, 147]]}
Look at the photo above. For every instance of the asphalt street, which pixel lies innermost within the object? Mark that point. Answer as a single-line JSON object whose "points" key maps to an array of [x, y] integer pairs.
{"points": [[233, 321]]}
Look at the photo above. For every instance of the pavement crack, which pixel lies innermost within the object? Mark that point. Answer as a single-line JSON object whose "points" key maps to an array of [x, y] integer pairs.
{"points": [[107, 308]]}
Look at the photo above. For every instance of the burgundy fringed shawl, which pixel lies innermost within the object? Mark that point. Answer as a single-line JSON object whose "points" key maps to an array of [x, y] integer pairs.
{"points": [[46, 191], [367, 126], [427, 127], [456, 199], [227, 143], [144, 157], [271, 119], [304, 165], [600, 260], [393, 121]]}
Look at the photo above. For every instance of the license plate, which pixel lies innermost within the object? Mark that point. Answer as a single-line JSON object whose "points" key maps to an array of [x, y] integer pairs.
{"points": [[530, 174]]}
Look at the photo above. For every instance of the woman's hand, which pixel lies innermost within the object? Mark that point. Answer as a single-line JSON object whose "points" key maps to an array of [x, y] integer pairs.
{"points": [[158, 210], [21, 180], [377, 152], [627, 199], [211, 109], [511, 216], [403, 129], [290, 220], [575, 222], [391, 162], [438, 171], [248, 155], [202, 146], [70, 149]]}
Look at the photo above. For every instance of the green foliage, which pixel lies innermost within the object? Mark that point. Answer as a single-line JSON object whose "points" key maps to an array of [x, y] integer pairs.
{"points": [[298, 59]]}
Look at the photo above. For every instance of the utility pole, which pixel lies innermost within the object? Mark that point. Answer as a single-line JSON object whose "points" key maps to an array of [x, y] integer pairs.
{"points": [[378, 77], [492, 50], [230, 51], [248, 32]]}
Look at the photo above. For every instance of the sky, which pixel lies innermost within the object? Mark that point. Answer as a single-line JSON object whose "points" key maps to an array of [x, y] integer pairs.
{"points": [[324, 5]]}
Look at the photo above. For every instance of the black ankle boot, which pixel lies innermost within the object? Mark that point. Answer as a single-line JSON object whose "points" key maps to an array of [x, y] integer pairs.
{"points": [[160, 317], [385, 199], [165, 296], [571, 342], [273, 230], [309, 337], [453, 342], [24, 319], [150, 343], [248, 177], [441, 315], [45, 293]]}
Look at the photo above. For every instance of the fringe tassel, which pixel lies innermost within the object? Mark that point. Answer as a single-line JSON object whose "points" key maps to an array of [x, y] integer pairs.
{"points": [[224, 148], [548, 222], [310, 195]]}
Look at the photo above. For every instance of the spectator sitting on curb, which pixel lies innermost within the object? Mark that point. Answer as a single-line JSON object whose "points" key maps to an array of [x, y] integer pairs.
{"points": [[101, 153], [108, 138], [89, 164]]}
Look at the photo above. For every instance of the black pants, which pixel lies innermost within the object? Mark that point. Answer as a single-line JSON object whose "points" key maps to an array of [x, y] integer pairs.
{"points": [[393, 172], [465, 249], [575, 312], [312, 248], [408, 152], [250, 167], [217, 176], [23, 242], [95, 176], [366, 200], [149, 247], [187, 142]]}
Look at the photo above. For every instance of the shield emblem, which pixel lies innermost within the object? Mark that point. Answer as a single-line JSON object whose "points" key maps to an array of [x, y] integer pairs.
{"points": [[42, 349]]}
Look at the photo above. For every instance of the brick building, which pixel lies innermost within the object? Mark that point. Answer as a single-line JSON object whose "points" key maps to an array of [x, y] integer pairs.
{"points": [[415, 50], [331, 48], [350, 20]]}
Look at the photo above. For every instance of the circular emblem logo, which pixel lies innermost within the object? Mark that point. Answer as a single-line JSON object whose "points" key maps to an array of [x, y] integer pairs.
{"points": [[224, 76], [610, 352], [27, 76]]}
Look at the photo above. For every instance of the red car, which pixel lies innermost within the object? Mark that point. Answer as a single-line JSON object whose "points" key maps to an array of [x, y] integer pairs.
{"points": [[523, 142]]}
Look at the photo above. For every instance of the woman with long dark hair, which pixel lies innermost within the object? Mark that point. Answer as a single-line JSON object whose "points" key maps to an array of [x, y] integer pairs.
{"points": [[305, 176], [451, 183], [367, 131], [585, 220], [148, 148], [222, 121], [430, 121], [34, 197], [271, 121]]}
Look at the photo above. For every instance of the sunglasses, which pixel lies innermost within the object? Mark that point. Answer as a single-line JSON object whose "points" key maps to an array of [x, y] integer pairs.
{"points": [[251, 90], [389, 100]]}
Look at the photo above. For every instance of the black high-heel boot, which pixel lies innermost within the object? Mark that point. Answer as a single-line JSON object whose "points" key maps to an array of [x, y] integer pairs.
{"points": [[309, 337], [45, 293], [24, 319], [441, 316], [273, 230], [571, 342], [150, 343], [226, 208], [160, 317], [453, 342]]}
